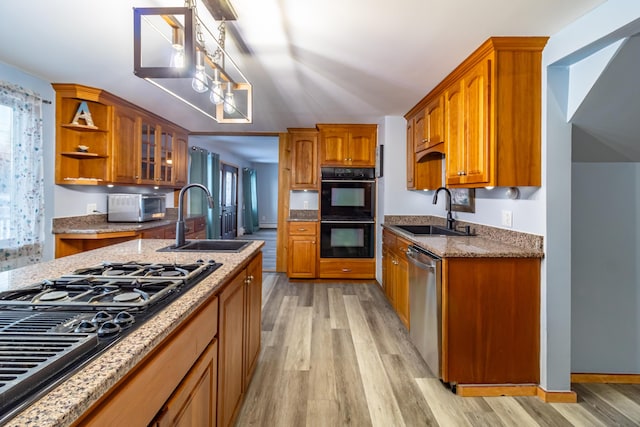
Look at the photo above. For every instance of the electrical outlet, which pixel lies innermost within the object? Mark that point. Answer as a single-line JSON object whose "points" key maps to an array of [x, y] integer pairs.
{"points": [[305, 204], [507, 219], [91, 208]]}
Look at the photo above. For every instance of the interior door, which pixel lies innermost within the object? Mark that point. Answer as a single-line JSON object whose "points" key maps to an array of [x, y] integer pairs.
{"points": [[229, 201]]}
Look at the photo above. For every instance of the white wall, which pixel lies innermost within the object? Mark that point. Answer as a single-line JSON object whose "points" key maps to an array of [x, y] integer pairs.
{"points": [[267, 174], [605, 282], [16, 76]]}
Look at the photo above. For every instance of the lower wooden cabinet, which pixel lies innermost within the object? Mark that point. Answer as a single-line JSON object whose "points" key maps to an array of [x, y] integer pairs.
{"points": [[193, 403], [303, 250], [347, 268], [239, 336], [395, 274]]}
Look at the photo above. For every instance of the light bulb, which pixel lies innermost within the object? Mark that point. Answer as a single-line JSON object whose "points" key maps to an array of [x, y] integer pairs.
{"points": [[177, 57], [199, 81], [216, 96], [229, 102]]}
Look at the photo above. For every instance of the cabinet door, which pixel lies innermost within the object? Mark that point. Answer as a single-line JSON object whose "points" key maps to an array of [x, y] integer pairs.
{"points": [[165, 157], [333, 147], [362, 147], [304, 161], [231, 338], [194, 402], [419, 129], [253, 318], [148, 145], [454, 133], [401, 280], [302, 257], [181, 160], [434, 123], [411, 155], [476, 113], [126, 143]]}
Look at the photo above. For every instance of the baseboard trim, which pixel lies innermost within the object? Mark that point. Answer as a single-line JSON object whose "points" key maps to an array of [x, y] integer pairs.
{"points": [[557, 396], [471, 390], [605, 378]]}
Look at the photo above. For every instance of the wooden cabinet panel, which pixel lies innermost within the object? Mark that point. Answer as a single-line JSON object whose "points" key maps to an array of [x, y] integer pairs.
{"points": [[302, 250], [454, 133], [434, 123], [491, 310], [476, 113], [181, 160], [231, 338], [411, 155], [396, 274], [304, 159], [125, 151], [348, 145], [419, 129], [194, 402], [239, 338], [347, 268], [253, 318], [424, 163]]}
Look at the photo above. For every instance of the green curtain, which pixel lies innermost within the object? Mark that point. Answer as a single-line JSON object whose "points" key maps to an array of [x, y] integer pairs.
{"points": [[197, 175], [214, 226], [250, 200], [204, 169]]}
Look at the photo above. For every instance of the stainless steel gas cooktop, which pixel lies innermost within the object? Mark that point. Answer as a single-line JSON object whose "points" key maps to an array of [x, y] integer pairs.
{"points": [[52, 328]]}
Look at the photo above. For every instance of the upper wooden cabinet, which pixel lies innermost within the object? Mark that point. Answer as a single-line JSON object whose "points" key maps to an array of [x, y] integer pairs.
{"points": [[425, 174], [348, 145], [126, 145], [304, 159], [429, 125], [491, 105]]}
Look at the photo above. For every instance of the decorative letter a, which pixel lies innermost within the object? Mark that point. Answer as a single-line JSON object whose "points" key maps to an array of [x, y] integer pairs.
{"points": [[83, 113]]}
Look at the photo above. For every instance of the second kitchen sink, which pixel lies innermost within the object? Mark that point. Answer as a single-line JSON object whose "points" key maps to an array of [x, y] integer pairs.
{"points": [[423, 230]]}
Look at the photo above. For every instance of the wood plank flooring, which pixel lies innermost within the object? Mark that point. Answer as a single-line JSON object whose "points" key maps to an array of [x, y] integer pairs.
{"points": [[269, 248], [335, 354]]}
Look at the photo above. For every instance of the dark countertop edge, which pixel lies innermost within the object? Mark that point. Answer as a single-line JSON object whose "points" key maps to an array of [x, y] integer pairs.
{"points": [[495, 249], [73, 397]]}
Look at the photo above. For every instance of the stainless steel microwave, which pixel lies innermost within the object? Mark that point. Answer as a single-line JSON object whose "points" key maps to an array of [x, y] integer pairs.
{"points": [[135, 207]]}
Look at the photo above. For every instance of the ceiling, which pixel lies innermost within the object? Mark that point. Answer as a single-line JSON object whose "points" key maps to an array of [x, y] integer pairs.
{"points": [[311, 61]]}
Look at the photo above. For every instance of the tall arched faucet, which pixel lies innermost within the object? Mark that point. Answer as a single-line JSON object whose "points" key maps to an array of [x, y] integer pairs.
{"points": [[180, 241], [450, 221]]}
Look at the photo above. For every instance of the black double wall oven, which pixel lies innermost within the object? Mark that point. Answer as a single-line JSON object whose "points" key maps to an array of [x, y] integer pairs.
{"points": [[347, 213]]}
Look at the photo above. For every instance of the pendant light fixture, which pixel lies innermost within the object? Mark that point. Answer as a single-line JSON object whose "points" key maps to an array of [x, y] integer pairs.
{"points": [[197, 70]]}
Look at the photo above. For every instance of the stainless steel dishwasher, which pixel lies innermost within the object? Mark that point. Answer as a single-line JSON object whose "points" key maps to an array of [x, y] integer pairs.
{"points": [[425, 305]]}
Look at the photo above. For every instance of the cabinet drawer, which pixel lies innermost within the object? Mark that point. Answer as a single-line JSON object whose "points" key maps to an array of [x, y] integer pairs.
{"points": [[302, 228], [347, 268]]}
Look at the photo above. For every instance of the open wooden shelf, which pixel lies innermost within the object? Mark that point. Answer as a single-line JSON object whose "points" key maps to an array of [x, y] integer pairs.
{"points": [[83, 155], [83, 128]]}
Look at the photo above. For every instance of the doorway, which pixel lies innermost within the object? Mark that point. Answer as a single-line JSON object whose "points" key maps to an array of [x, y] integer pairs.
{"points": [[229, 201]]}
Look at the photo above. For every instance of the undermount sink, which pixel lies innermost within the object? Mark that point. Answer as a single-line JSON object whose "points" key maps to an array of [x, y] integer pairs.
{"points": [[208, 246], [434, 230]]}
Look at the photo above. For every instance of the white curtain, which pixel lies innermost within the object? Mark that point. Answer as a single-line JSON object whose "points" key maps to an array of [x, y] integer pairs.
{"points": [[22, 180]]}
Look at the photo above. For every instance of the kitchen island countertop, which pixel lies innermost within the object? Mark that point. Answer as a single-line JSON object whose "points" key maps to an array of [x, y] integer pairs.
{"points": [[71, 398]]}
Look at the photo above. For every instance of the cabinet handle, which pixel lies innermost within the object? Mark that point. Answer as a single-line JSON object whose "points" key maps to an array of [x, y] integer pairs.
{"points": [[251, 277], [346, 270], [426, 140], [302, 229]]}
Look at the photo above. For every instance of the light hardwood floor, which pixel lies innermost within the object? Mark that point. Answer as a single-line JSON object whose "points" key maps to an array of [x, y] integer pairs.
{"points": [[336, 355]]}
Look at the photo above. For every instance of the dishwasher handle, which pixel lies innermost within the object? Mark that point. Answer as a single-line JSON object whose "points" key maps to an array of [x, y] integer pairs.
{"points": [[421, 259]]}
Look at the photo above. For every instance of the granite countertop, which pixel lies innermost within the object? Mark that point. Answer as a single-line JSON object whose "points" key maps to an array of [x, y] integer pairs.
{"points": [[488, 242], [66, 402], [97, 223]]}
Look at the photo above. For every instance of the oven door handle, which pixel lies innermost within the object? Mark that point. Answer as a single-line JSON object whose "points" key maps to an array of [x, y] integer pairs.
{"points": [[348, 180], [368, 221]]}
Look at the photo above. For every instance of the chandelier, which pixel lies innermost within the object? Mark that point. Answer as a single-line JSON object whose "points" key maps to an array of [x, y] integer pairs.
{"points": [[175, 51]]}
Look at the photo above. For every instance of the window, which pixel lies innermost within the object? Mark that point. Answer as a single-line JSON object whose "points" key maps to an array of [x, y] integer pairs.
{"points": [[21, 177], [6, 171]]}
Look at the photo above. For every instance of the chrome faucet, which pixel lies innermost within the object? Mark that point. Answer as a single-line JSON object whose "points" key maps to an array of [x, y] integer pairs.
{"points": [[180, 223], [450, 221]]}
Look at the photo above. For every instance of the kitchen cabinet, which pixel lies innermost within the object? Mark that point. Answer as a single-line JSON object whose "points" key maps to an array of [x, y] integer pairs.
{"points": [[73, 243], [126, 144], [468, 145], [395, 274], [192, 404], [347, 268], [425, 174], [302, 250], [348, 145], [178, 371], [239, 338], [491, 115], [304, 159], [491, 320], [92, 129]]}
